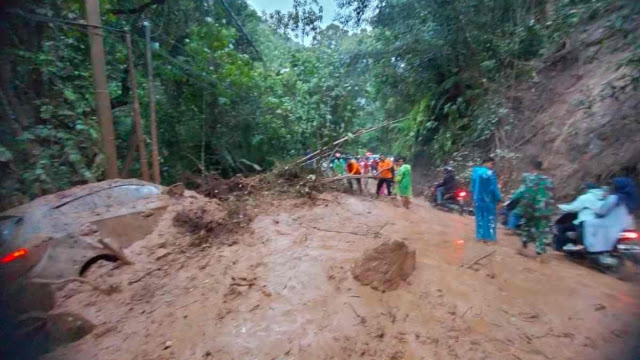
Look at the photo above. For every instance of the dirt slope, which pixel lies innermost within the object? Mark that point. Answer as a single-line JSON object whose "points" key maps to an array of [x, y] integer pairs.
{"points": [[578, 114], [285, 291]]}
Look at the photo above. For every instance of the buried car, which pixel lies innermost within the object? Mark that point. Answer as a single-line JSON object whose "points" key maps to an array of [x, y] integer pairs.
{"points": [[59, 236]]}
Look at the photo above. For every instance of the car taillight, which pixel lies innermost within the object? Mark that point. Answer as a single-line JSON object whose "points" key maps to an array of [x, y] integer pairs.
{"points": [[14, 255], [628, 236]]}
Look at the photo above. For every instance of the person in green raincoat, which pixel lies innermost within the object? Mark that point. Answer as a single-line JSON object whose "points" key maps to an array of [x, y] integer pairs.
{"points": [[339, 165], [403, 181]]}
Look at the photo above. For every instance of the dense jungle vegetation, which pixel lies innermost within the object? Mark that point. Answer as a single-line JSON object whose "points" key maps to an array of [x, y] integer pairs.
{"points": [[238, 91]]}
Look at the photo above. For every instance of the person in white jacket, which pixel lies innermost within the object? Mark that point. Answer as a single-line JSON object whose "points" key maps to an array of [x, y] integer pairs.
{"points": [[612, 217], [585, 206]]}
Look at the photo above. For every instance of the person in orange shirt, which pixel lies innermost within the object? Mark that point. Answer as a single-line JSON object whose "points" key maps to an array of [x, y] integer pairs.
{"points": [[385, 175], [354, 169]]}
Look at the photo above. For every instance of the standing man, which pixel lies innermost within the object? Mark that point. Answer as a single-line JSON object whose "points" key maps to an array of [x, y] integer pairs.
{"points": [[403, 182], [535, 205], [385, 174], [486, 195], [311, 164], [354, 169]]}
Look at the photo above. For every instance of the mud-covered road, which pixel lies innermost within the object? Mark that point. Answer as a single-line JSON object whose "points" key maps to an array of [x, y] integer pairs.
{"points": [[284, 291]]}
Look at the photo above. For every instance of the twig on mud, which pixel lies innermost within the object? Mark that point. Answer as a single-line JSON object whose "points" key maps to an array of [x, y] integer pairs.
{"points": [[363, 320], [528, 351], [465, 312], [116, 251], [334, 231], [286, 284], [478, 259], [106, 291], [185, 305], [378, 233], [243, 281], [133, 281]]}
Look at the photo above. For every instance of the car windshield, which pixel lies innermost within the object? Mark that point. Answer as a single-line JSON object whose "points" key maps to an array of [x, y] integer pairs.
{"points": [[110, 197]]}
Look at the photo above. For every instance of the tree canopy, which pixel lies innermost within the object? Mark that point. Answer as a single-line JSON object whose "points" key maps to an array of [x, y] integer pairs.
{"points": [[239, 91]]}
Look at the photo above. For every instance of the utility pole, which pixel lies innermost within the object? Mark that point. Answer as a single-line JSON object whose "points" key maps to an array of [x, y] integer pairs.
{"points": [[103, 102], [137, 119], [155, 161]]}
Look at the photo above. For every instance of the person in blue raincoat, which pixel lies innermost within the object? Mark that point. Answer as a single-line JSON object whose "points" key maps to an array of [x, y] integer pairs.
{"points": [[486, 195]]}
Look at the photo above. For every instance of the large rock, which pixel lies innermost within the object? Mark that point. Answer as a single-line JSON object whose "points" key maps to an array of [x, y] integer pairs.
{"points": [[386, 266]]}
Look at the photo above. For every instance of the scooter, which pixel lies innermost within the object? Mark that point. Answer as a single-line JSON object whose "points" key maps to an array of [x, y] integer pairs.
{"points": [[627, 248], [457, 201], [506, 209]]}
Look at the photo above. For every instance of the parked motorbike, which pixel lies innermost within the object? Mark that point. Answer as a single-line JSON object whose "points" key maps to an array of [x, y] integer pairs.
{"points": [[627, 248], [457, 201], [506, 209]]}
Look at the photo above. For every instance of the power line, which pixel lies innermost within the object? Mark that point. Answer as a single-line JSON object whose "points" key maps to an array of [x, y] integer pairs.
{"points": [[75, 24], [228, 10], [188, 69], [46, 19]]}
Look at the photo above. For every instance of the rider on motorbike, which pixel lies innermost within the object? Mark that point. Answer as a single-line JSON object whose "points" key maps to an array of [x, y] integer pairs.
{"points": [[614, 215], [585, 206], [447, 185]]}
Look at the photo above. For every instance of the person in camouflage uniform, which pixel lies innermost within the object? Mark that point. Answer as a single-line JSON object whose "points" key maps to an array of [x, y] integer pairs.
{"points": [[535, 207]]}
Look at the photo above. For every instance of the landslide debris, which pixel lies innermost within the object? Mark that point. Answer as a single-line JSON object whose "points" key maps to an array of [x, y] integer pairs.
{"points": [[385, 266]]}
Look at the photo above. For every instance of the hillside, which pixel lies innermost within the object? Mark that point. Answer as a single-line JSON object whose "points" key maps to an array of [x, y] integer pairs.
{"points": [[578, 113]]}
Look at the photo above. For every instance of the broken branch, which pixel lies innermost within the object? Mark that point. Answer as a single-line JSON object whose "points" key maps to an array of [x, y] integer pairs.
{"points": [[108, 291], [334, 231], [479, 259], [363, 320]]}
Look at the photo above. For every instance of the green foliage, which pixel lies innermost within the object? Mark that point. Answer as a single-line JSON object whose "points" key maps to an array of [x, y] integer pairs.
{"points": [[220, 107]]}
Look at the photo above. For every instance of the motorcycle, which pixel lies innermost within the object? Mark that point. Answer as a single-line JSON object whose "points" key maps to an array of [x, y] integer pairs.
{"points": [[627, 248], [506, 210], [457, 201]]}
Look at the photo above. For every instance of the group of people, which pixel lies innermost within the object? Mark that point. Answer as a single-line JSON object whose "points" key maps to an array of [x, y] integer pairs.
{"points": [[601, 214], [393, 175]]}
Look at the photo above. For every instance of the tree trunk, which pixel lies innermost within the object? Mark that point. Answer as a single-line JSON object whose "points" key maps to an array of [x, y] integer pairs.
{"points": [[103, 103], [155, 161], [144, 168]]}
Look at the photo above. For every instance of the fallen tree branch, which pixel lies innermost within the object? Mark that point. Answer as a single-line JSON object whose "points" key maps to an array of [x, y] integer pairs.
{"points": [[479, 259], [363, 320], [107, 291], [135, 280], [334, 231], [341, 140], [465, 312], [187, 304], [343, 177], [530, 136]]}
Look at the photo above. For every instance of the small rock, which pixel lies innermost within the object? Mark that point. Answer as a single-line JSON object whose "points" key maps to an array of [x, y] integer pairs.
{"points": [[161, 254], [167, 345], [88, 229], [176, 190], [148, 213]]}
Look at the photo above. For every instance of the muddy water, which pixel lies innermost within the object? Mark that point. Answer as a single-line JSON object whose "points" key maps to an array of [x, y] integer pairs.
{"points": [[285, 292]]}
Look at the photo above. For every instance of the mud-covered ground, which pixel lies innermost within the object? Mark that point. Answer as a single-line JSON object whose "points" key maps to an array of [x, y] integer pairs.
{"points": [[284, 291]]}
